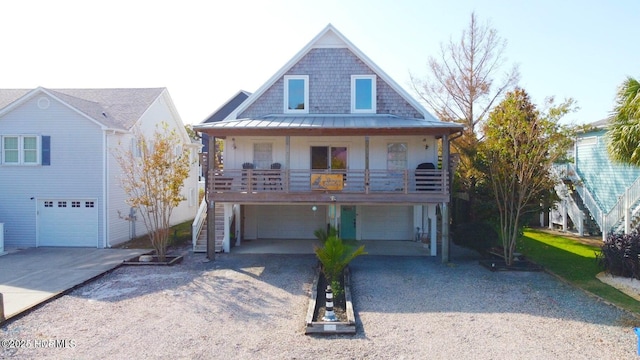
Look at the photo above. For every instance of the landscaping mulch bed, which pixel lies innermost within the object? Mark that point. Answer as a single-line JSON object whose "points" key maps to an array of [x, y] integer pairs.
{"points": [[495, 262], [342, 307]]}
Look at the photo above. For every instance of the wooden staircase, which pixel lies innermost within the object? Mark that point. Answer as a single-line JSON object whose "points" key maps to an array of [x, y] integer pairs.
{"points": [[201, 243]]}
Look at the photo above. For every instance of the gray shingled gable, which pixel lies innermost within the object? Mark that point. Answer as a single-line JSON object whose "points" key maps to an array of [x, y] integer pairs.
{"points": [[391, 97], [329, 71], [114, 108]]}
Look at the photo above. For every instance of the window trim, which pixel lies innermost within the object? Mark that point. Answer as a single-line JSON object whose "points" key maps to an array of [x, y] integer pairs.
{"points": [[286, 94], [354, 78], [405, 152], [21, 150], [264, 165]]}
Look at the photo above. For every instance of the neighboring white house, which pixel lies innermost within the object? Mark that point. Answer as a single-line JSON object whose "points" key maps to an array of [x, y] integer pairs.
{"points": [[331, 139], [59, 181]]}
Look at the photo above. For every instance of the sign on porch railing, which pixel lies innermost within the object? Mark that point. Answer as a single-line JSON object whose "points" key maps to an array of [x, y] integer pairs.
{"points": [[325, 182]]}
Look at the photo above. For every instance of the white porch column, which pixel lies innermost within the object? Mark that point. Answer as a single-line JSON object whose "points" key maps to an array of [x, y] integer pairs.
{"points": [[228, 213], [432, 216]]}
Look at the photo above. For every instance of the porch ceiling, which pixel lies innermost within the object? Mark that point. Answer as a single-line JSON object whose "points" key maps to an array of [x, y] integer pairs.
{"points": [[328, 125]]}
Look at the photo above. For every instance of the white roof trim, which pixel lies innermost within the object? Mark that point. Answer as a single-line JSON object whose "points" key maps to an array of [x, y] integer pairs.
{"points": [[330, 37], [31, 94]]}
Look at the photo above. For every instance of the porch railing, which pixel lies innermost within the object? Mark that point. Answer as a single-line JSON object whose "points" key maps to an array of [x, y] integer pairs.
{"points": [[353, 181]]}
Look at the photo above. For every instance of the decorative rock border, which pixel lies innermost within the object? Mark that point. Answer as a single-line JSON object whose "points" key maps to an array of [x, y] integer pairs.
{"points": [[330, 327]]}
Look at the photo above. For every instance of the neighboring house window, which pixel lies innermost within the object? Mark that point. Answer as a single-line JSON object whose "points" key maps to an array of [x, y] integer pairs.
{"points": [[396, 156], [296, 94], [588, 141], [363, 93], [262, 155], [23, 150]]}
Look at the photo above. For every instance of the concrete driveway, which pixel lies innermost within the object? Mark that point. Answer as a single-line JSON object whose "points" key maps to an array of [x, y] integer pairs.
{"points": [[32, 276]]}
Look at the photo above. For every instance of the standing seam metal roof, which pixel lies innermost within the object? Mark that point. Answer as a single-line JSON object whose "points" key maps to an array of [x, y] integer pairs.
{"points": [[329, 121]]}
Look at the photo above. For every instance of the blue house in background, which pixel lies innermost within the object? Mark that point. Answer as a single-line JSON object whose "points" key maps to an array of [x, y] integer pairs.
{"points": [[598, 195]]}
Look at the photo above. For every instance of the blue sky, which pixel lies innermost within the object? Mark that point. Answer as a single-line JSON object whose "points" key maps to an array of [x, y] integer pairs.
{"points": [[205, 51]]}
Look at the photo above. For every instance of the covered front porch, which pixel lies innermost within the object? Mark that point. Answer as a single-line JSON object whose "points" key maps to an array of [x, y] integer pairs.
{"points": [[333, 162]]}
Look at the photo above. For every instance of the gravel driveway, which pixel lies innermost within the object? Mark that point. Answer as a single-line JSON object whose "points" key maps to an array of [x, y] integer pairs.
{"points": [[253, 306]]}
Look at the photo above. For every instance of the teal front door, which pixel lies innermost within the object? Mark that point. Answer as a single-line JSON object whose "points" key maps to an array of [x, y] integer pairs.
{"points": [[348, 222]]}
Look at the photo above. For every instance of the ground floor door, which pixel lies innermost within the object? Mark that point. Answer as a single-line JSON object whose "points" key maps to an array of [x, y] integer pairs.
{"points": [[67, 222], [348, 222]]}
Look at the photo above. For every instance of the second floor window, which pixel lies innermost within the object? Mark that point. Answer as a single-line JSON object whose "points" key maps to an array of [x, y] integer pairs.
{"points": [[20, 150], [296, 94], [363, 93]]}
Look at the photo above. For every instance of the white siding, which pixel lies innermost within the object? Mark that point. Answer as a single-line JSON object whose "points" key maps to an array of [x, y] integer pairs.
{"points": [[301, 145], [387, 222], [121, 230], [75, 170]]}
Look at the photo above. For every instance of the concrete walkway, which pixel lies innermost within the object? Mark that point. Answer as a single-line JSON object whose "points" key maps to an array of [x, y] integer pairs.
{"points": [[32, 276]]}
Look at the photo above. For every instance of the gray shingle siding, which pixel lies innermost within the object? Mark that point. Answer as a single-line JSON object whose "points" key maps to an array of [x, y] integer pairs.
{"points": [[330, 73]]}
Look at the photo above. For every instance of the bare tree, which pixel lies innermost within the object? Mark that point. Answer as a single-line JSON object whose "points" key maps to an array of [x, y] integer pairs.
{"points": [[153, 173], [462, 86], [464, 83]]}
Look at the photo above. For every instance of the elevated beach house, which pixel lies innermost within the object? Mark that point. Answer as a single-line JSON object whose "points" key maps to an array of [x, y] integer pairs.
{"points": [[331, 139]]}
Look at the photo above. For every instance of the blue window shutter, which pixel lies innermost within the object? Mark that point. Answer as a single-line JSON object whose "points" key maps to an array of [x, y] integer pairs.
{"points": [[46, 150]]}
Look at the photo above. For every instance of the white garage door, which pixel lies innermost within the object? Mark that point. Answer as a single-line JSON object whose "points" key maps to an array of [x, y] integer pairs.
{"points": [[68, 222], [387, 222], [290, 221]]}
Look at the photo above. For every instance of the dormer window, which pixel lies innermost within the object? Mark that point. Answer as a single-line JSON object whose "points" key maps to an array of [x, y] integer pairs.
{"points": [[296, 94], [363, 93]]}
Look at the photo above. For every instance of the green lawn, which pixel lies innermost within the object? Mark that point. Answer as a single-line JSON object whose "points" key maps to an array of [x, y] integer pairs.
{"points": [[180, 236], [573, 261]]}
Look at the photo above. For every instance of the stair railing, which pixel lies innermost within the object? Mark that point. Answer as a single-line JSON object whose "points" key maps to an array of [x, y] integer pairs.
{"points": [[198, 223]]}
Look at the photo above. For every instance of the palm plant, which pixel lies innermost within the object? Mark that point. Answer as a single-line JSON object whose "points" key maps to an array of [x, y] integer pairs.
{"points": [[624, 130], [334, 256]]}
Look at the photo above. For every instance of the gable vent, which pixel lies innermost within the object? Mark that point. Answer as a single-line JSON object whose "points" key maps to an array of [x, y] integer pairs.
{"points": [[43, 103]]}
